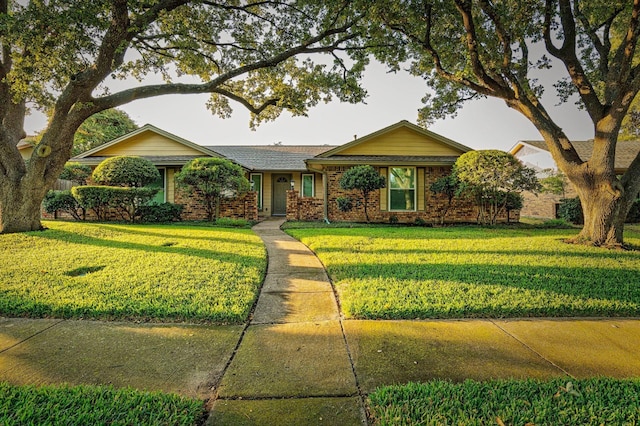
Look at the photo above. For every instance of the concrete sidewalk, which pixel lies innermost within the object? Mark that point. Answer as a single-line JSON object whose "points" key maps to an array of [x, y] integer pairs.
{"points": [[298, 362]]}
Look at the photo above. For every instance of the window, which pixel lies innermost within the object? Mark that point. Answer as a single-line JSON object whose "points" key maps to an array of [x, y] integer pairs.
{"points": [[161, 185], [307, 185], [256, 178], [402, 188]]}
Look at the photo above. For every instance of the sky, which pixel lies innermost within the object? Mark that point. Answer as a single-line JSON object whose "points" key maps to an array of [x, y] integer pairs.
{"points": [[481, 124]]}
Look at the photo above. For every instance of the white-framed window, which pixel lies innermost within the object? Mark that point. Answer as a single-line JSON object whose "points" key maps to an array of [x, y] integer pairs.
{"points": [[256, 178], [307, 189], [402, 188], [161, 184]]}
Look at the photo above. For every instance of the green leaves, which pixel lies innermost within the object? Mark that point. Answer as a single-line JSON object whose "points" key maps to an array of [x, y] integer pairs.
{"points": [[211, 179], [125, 171]]}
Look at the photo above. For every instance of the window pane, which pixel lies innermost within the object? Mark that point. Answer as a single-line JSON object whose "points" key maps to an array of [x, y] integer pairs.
{"points": [[402, 178], [307, 185], [159, 198], [257, 186], [402, 199]]}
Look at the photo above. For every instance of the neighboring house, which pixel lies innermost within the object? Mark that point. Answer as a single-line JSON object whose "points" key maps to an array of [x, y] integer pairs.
{"points": [[535, 154], [25, 146], [302, 182]]}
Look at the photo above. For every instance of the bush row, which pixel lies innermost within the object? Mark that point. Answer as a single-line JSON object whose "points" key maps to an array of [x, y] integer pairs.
{"points": [[129, 203]]}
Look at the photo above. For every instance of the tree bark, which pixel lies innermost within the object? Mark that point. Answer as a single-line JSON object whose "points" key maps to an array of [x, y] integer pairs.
{"points": [[20, 207]]}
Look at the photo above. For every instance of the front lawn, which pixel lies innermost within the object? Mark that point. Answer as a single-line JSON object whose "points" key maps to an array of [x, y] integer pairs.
{"points": [[94, 405], [140, 272], [467, 272], [512, 402]]}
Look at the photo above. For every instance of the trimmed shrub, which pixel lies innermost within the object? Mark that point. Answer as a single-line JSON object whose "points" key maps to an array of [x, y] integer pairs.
{"points": [[94, 198], [365, 179], [570, 209], [210, 179], [125, 201], [155, 213], [63, 201], [344, 204], [125, 171], [76, 172]]}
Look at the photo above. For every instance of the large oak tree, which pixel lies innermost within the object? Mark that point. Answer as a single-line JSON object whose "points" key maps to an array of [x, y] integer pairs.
{"points": [[466, 49], [61, 55]]}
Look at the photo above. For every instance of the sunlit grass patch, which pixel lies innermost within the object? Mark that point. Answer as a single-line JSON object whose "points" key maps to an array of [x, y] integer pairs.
{"points": [[560, 401], [459, 272], [145, 272], [94, 405]]}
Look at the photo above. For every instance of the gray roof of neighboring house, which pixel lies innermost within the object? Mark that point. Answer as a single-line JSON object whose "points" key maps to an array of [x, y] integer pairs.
{"points": [[271, 157], [626, 151]]}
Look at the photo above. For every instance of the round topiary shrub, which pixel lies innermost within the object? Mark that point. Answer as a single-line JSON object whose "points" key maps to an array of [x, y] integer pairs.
{"points": [[125, 171]]}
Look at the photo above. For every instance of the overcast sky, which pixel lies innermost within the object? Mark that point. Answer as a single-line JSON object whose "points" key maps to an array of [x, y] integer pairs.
{"points": [[483, 124]]}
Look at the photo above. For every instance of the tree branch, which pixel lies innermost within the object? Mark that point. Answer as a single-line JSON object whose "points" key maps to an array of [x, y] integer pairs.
{"points": [[211, 86], [567, 54]]}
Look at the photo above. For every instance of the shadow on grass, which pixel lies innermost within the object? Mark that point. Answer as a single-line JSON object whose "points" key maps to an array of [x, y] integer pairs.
{"points": [[70, 237], [630, 255], [167, 232], [470, 290]]}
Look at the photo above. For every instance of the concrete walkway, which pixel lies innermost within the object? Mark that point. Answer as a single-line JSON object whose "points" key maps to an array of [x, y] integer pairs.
{"points": [[293, 365], [297, 362]]}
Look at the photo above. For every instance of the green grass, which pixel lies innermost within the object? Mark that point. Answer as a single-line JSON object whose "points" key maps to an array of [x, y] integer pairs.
{"points": [[527, 402], [94, 405], [142, 272], [473, 272]]}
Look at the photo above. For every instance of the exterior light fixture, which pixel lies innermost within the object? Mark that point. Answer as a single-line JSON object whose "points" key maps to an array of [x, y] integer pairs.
{"points": [[292, 184]]}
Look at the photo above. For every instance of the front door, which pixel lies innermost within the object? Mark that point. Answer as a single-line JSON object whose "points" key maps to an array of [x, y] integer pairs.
{"points": [[281, 184]]}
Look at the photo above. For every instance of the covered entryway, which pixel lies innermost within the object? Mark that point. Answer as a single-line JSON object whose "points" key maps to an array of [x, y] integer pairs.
{"points": [[281, 184]]}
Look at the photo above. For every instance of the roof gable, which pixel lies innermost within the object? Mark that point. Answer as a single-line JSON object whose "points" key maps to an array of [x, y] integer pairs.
{"points": [[400, 139], [148, 140]]}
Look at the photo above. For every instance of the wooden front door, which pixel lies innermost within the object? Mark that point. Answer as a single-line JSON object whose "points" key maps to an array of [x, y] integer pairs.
{"points": [[281, 184]]}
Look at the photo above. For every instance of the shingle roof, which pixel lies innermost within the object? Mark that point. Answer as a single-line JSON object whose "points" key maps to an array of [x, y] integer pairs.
{"points": [[386, 159], [626, 151], [158, 160], [271, 157]]}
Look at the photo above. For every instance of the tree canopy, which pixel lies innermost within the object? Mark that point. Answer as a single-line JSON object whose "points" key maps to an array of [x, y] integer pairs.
{"points": [[101, 127], [363, 178], [469, 49], [490, 176], [210, 179], [60, 56]]}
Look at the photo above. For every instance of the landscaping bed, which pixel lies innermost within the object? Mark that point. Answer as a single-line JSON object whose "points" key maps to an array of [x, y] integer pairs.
{"points": [[94, 405], [560, 401], [132, 272], [475, 272]]}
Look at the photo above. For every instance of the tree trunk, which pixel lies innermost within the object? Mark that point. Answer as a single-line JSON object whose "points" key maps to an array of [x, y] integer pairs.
{"points": [[601, 208], [20, 208], [365, 195]]}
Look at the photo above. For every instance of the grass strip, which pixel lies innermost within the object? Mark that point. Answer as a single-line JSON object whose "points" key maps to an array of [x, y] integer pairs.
{"points": [[559, 401], [475, 272], [94, 405], [168, 273]]}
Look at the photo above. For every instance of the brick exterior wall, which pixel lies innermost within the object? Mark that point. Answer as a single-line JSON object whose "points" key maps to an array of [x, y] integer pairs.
{"points": [[462, 210], [244, 207], [304, 208], [543, 206]]}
